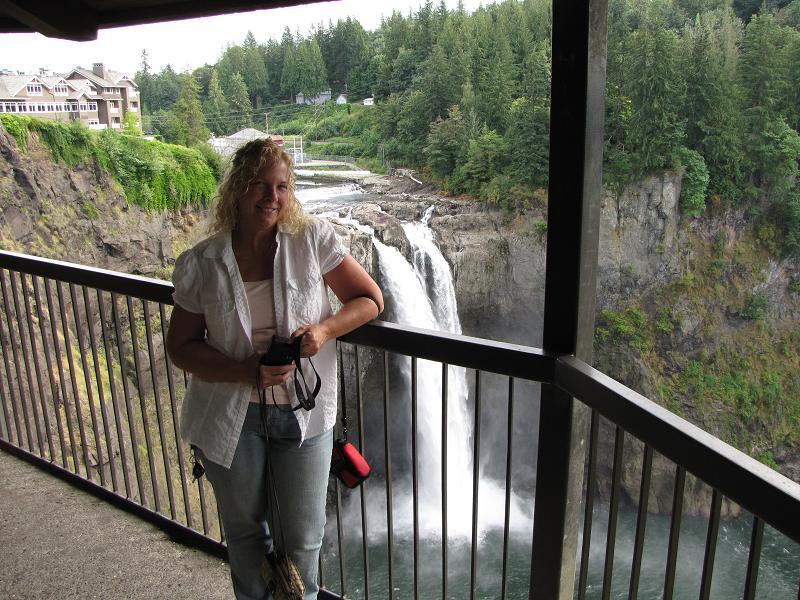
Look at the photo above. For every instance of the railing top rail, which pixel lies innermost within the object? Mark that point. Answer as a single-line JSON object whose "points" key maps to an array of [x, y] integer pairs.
{"points": [[523, 362], [754, 486], [137, 286]]}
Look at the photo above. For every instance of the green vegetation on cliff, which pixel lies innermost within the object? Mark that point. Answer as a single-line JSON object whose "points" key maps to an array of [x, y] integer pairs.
{"points": [[707, 347], [153, 175]]}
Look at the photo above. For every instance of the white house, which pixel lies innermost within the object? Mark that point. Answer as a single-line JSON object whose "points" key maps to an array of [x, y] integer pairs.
{"points": [[320, 98]]}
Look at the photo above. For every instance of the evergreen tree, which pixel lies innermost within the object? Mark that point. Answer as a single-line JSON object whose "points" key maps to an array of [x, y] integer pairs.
{"points": [[494, 75], [144, 79], [240, 108], [232, 62], [447, 142], [654, 83], [760, 73], [164, 89], [189, 114], [216, 107], [713, 119], [255, 71], [528, 139]]}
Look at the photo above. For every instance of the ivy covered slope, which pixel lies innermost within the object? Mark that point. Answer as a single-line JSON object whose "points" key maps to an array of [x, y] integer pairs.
{"points": [[717, 340], [98, 198]]}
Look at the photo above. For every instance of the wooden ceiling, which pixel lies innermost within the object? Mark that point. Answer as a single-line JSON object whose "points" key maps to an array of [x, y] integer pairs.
{"points": [[80, 19]]}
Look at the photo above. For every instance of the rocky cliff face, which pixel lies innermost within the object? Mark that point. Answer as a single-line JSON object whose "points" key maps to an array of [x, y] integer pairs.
{"points": [[80, 215]]}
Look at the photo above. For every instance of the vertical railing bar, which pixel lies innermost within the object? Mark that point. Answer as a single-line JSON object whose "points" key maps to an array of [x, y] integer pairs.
{"points": [[98, 375], [88, 380], [588, 509], [509, 462], [10, 400], [754, 559], [414, 476], [175, 419], [476, 469], [674, 532], [388, 453], [338, 487], [201, 490], [362, 446], [9, 377], [641, 522], [76, 398], [60, 362], [112, 384], [711, 545], [445, 396], [23, 398], [6, 433], [37, 366], [159, 417], [126, 392], [613, 512], [54, 390], [320, 570], [142, 404], [340, 539]]}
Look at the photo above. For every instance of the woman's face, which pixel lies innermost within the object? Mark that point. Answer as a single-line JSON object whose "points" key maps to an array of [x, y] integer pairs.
{"points": [[265, 197]]}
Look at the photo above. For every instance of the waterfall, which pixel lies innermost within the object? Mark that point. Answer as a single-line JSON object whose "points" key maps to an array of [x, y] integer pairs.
{"points": [[423, 295]]}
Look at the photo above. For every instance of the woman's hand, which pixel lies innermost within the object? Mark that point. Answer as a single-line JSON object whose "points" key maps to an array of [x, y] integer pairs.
{"points": [[268, 375], [314, 336]]}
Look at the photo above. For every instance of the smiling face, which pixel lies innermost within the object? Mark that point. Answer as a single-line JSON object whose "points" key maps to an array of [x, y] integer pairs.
{"points": [[266, 195]]}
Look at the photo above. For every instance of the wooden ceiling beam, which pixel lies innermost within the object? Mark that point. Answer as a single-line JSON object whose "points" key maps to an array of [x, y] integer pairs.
{"points": [[65, 19]]}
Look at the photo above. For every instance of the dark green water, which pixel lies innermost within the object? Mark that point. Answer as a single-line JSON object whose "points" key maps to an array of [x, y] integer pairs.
{"points": [[779, 573]]}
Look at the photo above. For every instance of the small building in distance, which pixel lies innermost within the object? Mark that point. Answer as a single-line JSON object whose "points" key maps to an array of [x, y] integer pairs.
{"points": [[320, 98], [368, 101], [98, 98], [341, 99]]}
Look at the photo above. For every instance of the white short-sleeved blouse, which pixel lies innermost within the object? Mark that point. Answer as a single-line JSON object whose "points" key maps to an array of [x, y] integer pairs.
{"points": [[207, 281]]}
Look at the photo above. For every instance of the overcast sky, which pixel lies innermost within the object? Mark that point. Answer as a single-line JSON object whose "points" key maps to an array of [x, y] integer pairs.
{"points": [[194, 42]]}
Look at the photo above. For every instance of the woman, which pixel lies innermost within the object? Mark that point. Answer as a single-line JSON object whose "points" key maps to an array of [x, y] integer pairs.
{"points": [[264, 271]]}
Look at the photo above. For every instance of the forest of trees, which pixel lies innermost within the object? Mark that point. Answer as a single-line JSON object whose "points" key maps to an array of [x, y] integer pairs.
{"points": [[711, 87]]}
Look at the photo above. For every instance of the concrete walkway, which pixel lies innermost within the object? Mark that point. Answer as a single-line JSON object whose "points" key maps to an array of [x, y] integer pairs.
{"points": [[59, 542]]}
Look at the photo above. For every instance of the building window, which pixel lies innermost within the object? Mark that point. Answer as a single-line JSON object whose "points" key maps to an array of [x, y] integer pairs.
{"points": [[92, 105], [41, 108], [60, 90], [94, 122], [35, 89], [51, 108], [134, 106]]}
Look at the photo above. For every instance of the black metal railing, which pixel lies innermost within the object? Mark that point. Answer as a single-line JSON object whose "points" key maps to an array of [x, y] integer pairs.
{"points": [[88, 393]]}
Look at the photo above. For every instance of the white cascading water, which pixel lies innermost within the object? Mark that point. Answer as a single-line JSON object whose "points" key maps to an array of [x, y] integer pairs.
{"points": [[424, 296]]}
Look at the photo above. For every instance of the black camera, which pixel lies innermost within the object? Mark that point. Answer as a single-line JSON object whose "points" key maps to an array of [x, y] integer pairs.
{"points": [[282, 351]]}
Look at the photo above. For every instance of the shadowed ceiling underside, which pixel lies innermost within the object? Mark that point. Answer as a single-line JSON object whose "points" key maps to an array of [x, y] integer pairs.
{"points": [[80, 19]]}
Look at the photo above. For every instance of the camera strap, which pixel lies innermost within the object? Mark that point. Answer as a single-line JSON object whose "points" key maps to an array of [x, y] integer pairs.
{"points": [[307, 398]]}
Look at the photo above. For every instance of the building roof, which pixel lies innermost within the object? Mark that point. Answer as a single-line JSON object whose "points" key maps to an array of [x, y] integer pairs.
{"points": [[10, 85], [113, 80]]}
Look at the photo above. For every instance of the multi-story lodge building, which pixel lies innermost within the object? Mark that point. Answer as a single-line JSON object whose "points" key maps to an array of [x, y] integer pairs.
{"points": [[98, 98]]}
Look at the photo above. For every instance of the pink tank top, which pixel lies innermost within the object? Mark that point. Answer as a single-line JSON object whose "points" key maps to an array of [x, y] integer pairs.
{"points": [[262, 318]]}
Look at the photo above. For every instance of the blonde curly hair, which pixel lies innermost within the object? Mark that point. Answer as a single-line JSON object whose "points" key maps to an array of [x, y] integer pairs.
{"points": [[244, 167]]}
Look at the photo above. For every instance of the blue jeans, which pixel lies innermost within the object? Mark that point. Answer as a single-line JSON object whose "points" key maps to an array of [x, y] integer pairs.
{"points": [[244, 498]]}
